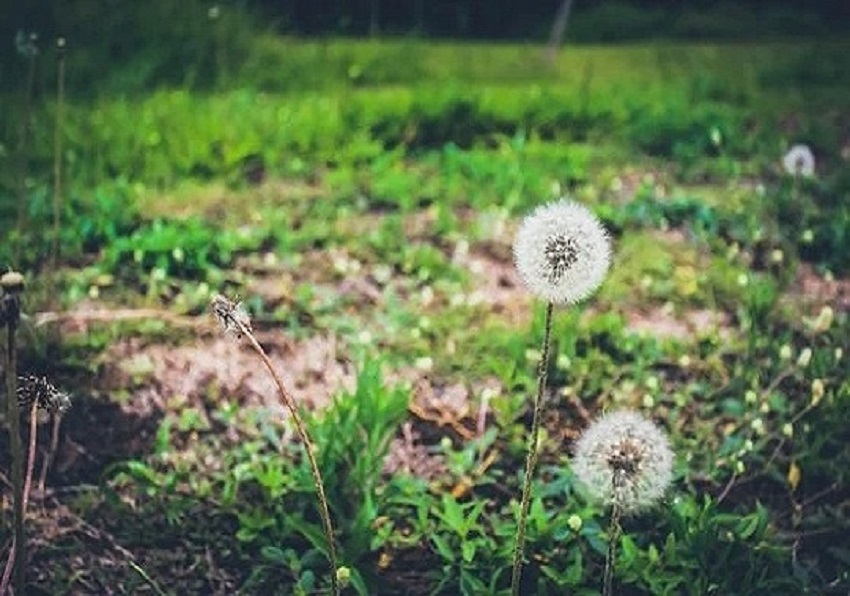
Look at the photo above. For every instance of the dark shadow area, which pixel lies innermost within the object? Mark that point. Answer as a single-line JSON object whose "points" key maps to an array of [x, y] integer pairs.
{"points": [[94, 434]]}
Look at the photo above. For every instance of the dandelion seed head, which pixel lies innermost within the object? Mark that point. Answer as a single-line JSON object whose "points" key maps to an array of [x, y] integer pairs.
{"points": [[34, 389], [799, 161], [26, 44], [562, 252], [624, 459], [231, 316]]}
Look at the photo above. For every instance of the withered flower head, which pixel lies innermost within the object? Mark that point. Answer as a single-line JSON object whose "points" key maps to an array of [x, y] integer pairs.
{"points": [[33, 389], [232, 316]]}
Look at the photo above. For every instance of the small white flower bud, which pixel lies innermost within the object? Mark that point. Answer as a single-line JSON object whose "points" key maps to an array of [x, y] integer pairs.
{"points": [[804, 358], [343, 576], [818, 389], [824, 320], [426, 363]]}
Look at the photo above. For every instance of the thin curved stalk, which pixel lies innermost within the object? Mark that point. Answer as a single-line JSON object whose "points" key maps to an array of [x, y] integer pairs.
{"points": [[311, 457], [57, 150], [10, 562], [15, 563], [51, 453], [31, 453]]}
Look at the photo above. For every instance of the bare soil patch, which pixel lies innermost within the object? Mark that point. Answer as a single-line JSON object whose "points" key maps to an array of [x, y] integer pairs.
{"points": [[665, 323], [812, 290], [313, 368]]}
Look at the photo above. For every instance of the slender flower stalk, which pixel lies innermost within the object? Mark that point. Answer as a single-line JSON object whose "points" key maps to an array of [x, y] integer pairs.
{"points": [[234, 319], [562, 253], [40, 394], [31, 453], [625, 461], [27, 46], [614, 532], [57, 148], [47, 462], [532, 454], [11, 286]]}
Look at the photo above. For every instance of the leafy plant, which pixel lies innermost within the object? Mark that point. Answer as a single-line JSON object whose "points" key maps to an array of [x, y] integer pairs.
{"points": [[355, 434], [187, 249]]}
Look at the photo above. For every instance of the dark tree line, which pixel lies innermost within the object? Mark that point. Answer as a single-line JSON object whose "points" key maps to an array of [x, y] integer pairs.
{"points": [[496, 19], [475, 19], [162, 39]]}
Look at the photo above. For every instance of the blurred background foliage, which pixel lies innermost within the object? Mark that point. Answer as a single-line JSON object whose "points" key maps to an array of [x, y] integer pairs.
{"points": [[126, 46]]}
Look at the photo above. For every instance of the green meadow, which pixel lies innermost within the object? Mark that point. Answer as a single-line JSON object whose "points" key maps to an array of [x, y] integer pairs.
{"points": [[360, 199]]}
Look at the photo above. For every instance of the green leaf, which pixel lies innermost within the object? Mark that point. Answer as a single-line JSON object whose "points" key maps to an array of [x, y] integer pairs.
{"points": [[273, 554], [443, 548], [468, 548], [311, 532], [751, 525]]}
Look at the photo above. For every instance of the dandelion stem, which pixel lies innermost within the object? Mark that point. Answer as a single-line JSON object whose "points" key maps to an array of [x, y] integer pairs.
{"points": [[532, 455], [308, 448], [31, 452], [11, 316], [23, 149], [51, 454], [614, 530], [57, 150]]}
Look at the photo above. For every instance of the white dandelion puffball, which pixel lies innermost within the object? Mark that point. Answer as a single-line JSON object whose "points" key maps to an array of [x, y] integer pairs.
{"points": [[562, 252], [624, 459], [799, 161]]}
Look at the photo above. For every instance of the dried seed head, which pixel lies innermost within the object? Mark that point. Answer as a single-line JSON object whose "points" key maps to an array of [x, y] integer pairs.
{"points": [[562, 252], [232, 316], [799, 161], [11, 286], [624, 459], [12, 282], [33, 389]]}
